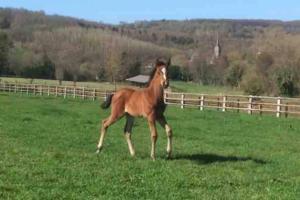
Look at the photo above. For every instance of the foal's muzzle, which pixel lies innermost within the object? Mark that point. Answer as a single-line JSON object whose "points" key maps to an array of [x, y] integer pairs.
{"points": [[166, 84]]}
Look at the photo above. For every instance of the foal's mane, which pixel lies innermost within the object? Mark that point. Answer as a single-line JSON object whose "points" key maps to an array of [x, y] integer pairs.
{"points": [[152, 73]]}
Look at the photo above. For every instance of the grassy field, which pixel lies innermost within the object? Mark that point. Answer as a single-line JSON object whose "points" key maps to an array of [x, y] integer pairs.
{"points": [[47, 150], [180, 86], [176, 86]]}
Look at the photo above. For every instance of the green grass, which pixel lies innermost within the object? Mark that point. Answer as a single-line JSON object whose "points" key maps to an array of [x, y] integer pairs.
{"points": [[47, 150], [180, 86]]}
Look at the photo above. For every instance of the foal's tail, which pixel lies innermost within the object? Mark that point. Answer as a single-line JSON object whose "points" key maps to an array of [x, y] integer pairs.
{"points": [[107, 102]]}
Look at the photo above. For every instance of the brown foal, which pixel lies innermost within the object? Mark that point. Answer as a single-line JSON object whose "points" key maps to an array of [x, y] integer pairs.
{"points": [[148, 103]]}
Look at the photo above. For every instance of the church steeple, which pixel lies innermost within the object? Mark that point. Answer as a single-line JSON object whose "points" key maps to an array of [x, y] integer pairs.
{"points": [[217, 49]]}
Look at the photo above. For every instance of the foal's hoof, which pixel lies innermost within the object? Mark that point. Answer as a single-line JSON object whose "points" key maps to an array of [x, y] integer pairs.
{"points": [[169, 156], [132, 155], [98, 150]]}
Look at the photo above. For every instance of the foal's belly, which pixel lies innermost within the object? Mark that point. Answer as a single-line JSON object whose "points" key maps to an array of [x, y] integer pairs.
{"points": [[138, 108], [135, 111]]}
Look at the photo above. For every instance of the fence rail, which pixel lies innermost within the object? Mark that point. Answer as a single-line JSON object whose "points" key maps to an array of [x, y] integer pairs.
{"points": [[277, 106], [53, 90]]}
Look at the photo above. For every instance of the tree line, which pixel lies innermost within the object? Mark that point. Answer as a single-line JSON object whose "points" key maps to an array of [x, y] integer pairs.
{"points": [[258, 56], [33, 47]]}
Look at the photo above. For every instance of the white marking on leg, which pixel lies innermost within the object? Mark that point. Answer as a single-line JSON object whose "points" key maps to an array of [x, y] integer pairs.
{"points": [[100, 143], [153, 151], [153, 133], [153, 142], [169, 135], [130, 146], [167, 128]]}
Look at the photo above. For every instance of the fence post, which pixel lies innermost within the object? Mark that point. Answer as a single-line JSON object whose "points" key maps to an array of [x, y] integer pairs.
{"points": [[278, 113], [20, 88], [105, 96], [27, 88], [260, 109], [182, 101], [201, 102], [74, 92], [65, 92], [41, 90], [94, 94], [286, 110], [48, 92], [224, 104], [218, 103], [34, 86], [238, 105], [250, 105], [56, 91], [83, 92], [15, 88]]}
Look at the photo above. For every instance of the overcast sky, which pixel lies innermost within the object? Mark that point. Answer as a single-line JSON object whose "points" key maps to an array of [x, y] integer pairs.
{"points": [[112, 11]]}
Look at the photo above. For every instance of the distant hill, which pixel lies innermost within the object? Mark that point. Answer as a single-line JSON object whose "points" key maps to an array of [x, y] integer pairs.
{"points": [[170, 33], [262, 56], [191, 33]]}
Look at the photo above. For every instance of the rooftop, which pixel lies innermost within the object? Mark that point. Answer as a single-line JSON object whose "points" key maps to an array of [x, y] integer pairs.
{"points": [[139, 79]]}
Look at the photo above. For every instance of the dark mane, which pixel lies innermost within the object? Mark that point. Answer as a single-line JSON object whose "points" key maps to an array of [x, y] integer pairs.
{"points": [[152, 73], [151, 76]]}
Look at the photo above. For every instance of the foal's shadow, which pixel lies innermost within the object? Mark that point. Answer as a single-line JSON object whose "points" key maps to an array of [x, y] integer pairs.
{"points": [[214, 158]]}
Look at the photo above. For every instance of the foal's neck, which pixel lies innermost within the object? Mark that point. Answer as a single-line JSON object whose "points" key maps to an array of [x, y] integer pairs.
{"points": [[156, 90]]}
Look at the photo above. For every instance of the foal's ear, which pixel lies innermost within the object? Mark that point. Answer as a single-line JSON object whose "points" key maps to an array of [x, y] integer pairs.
{"points": [[169, 62], [157, 62]]}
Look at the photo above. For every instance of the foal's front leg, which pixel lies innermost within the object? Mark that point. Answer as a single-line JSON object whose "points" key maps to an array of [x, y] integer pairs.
{"points": [[153, 132], [163, 122]]}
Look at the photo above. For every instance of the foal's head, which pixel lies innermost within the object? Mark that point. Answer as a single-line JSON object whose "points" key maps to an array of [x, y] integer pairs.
{"points": [[161, 72]]}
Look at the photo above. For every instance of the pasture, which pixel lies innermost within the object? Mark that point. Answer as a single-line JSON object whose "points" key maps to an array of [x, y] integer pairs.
{"points": [[47, 148]]}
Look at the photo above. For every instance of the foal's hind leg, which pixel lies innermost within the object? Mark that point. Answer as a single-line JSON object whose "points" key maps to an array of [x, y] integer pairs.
{"points": [[127, 132], [105, 124], [163, 122]]}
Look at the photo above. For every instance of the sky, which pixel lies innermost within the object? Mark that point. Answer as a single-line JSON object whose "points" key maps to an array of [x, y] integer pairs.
{"points": [[113, 11]]}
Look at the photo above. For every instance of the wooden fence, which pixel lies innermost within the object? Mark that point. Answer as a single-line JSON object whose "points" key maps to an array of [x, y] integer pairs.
{"points": [[277, 106], [53, 90]]}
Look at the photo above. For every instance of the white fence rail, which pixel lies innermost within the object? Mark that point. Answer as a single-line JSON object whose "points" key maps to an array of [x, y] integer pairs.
{"points": [[277, 106], [52, 90]]}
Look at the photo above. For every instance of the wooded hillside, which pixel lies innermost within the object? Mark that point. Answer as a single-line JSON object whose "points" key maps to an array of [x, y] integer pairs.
{"points": [[260, 56]]}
